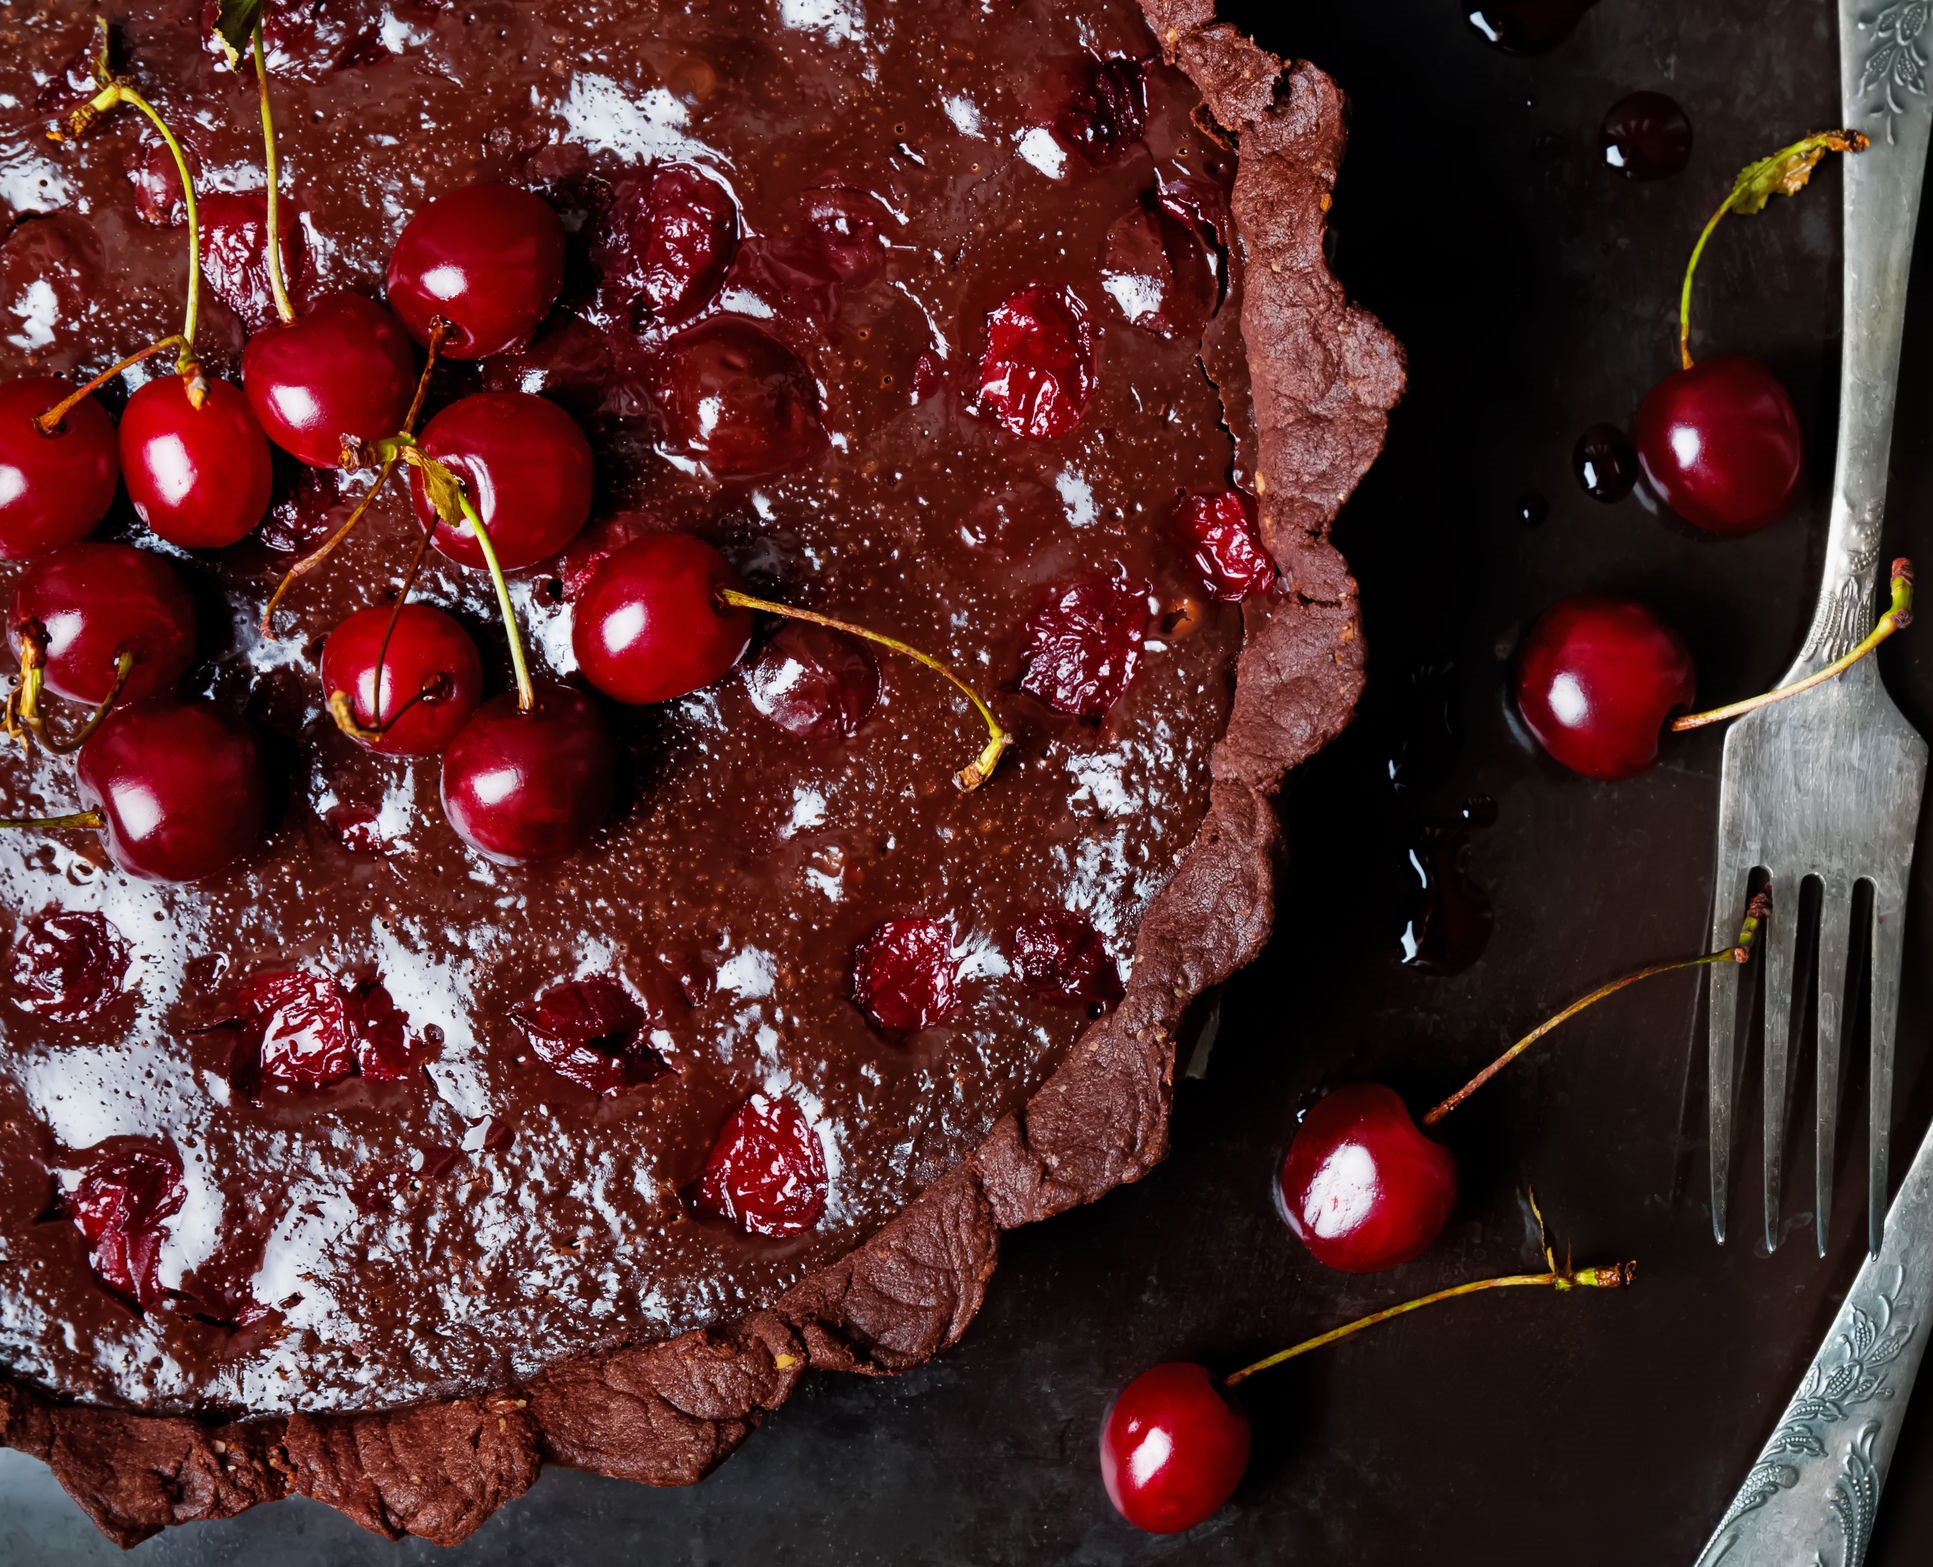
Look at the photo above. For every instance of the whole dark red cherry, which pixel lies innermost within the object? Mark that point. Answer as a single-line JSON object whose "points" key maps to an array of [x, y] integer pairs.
{"points": [[813, 682], [664, 246], [1084, 645], [766, 1173], [91, 603], [234, 251], [198, 477], [121, 1205], [66, 964], [529, 786], [593, 1032], [430, 681], [1720, 443], [1228, 550], [1108, 110], [180, 786], [732, 399], [526, 467], [1361, 1187], [1037, 372], [487, 259], [346, 370], [1597, 680], [1173, 1449], [649, 625], [905, 976], [53, 488]]}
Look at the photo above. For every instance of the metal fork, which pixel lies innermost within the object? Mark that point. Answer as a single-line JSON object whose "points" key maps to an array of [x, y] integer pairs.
{"points": [[1828, 785]]}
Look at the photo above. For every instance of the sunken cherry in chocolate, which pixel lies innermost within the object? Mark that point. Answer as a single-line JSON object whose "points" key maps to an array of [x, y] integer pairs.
{"points": [[410, 688], [1598, 679], [199, 477], [66, 964], [813, 682], [486, 260], [1721, 445], [234, 252], [766, 1173], [1058, 955], [905, 976], [526, 467], [665, 244], [594, 1033], [1084, 645], [1362, 1187], [303, 1030], [345, 371], [121, 1205], [1227, 549], [1173, 1449], [729, 397], [88, 604], [1107, 112], [650, 626], [1037, 371], [54, 486], [534, 785]]}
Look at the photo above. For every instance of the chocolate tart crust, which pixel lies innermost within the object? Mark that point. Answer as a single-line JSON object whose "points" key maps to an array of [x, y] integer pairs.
{"points": [[1306, 388]]}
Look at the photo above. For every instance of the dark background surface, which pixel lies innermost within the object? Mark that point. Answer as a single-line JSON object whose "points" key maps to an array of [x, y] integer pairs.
{"points": [[1536, 291]]}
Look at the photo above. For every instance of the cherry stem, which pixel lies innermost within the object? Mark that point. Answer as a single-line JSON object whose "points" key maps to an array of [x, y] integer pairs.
{"points": [[50, 421], [968, 778], [23, 707], [526, 692], [277, 286], [1756, 913], [91, 818], [1897, 618]]}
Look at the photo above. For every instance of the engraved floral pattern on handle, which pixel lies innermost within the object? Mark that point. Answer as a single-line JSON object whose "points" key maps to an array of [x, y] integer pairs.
{"points": [[1894, 64]]}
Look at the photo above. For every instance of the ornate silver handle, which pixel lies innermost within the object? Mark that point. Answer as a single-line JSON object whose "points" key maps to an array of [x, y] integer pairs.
{"points": [[1883, 65]]}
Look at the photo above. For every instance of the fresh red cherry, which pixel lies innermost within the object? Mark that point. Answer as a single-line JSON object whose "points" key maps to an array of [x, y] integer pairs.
{"points": [[487, 259], [198, 477], [905, 976], [732, 399], [666, 242], [121, 1205], [1173, 1449], [1084, 646], [179, 786], [53, 488], [523, 786], [1598, 679], [89, 603], [1361, 1187], [1037, 372], [813, 682], [1721, 445], [344, 371], [766, 1173], [593, 1032], [526, 467], [67, 964], [1107, 111], [1228, 550], [234, 252], [1057, 954], [649, 626], [429, 683]]}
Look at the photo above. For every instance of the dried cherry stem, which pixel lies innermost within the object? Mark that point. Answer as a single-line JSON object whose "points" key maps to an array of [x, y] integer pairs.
{"points": [[1756, 913], [1897, 618], [1783, 174], [23, 716], [50, 421], [968, 778], [272, 163]]}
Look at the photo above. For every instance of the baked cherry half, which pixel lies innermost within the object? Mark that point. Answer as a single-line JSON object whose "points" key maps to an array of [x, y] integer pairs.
{"points": [[1173, 1449], [1037, 372], [1084, 645], [486, 259], [298, 1026], [531, 785], [1228, 549], [732, 399], [345, 371], [766, 1173], [408, 690], [1362, 1187], [234, 252], [650, 626], [198, 477], [66, 964], [121, 1205], [1720, 443], [54, 486], [526, 467], [594, 1033], [1057, 954], [905, 976], [1598, 679], [88, 604], [1108, 110], [665, 243]]}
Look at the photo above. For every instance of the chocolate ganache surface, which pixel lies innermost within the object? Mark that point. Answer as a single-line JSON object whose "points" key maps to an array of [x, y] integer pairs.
{"points": [[437, 1197]]}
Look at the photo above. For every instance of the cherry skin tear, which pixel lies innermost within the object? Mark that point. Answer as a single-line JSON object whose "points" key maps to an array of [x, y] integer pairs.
{"points": [[594, 1033], [649, 625], [121, 1205], [181, 787], [67, 964], [198, 477], [1361, 1187], [526, 467], [234, 252], [666, 243], [1228, 550], [813, 682], [487, 259], [766, 1172], [530, 786], [429, 683], [53, 488], [1084, 646], [1173, 1449], [733, 399], [905, 976], [1598, 679], [1721, 445], [1037, 372], [93, 602], [344, 371]]}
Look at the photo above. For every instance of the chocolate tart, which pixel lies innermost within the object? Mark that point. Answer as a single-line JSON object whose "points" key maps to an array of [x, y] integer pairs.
{"points": [[401, 1291]]}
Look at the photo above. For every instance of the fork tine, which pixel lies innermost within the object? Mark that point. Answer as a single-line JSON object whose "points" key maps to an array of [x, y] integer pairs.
{"points": [[1780, 938], [1835, 933], [1728, 911], [1889, 929]]}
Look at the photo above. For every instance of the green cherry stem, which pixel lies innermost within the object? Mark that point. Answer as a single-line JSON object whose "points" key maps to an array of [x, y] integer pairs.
{"points": [[968, 778], [526, 692], [49, 422], [272, 163]]}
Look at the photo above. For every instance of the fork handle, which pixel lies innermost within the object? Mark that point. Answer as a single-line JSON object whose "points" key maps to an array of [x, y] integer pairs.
{"points": [[1813, 1492], [1883, 63]]}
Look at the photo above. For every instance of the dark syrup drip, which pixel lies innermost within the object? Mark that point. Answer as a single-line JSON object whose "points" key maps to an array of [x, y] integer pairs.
{"points": [[1527, 26], [1645, 136], [1448, 919], [1605, 462]]}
